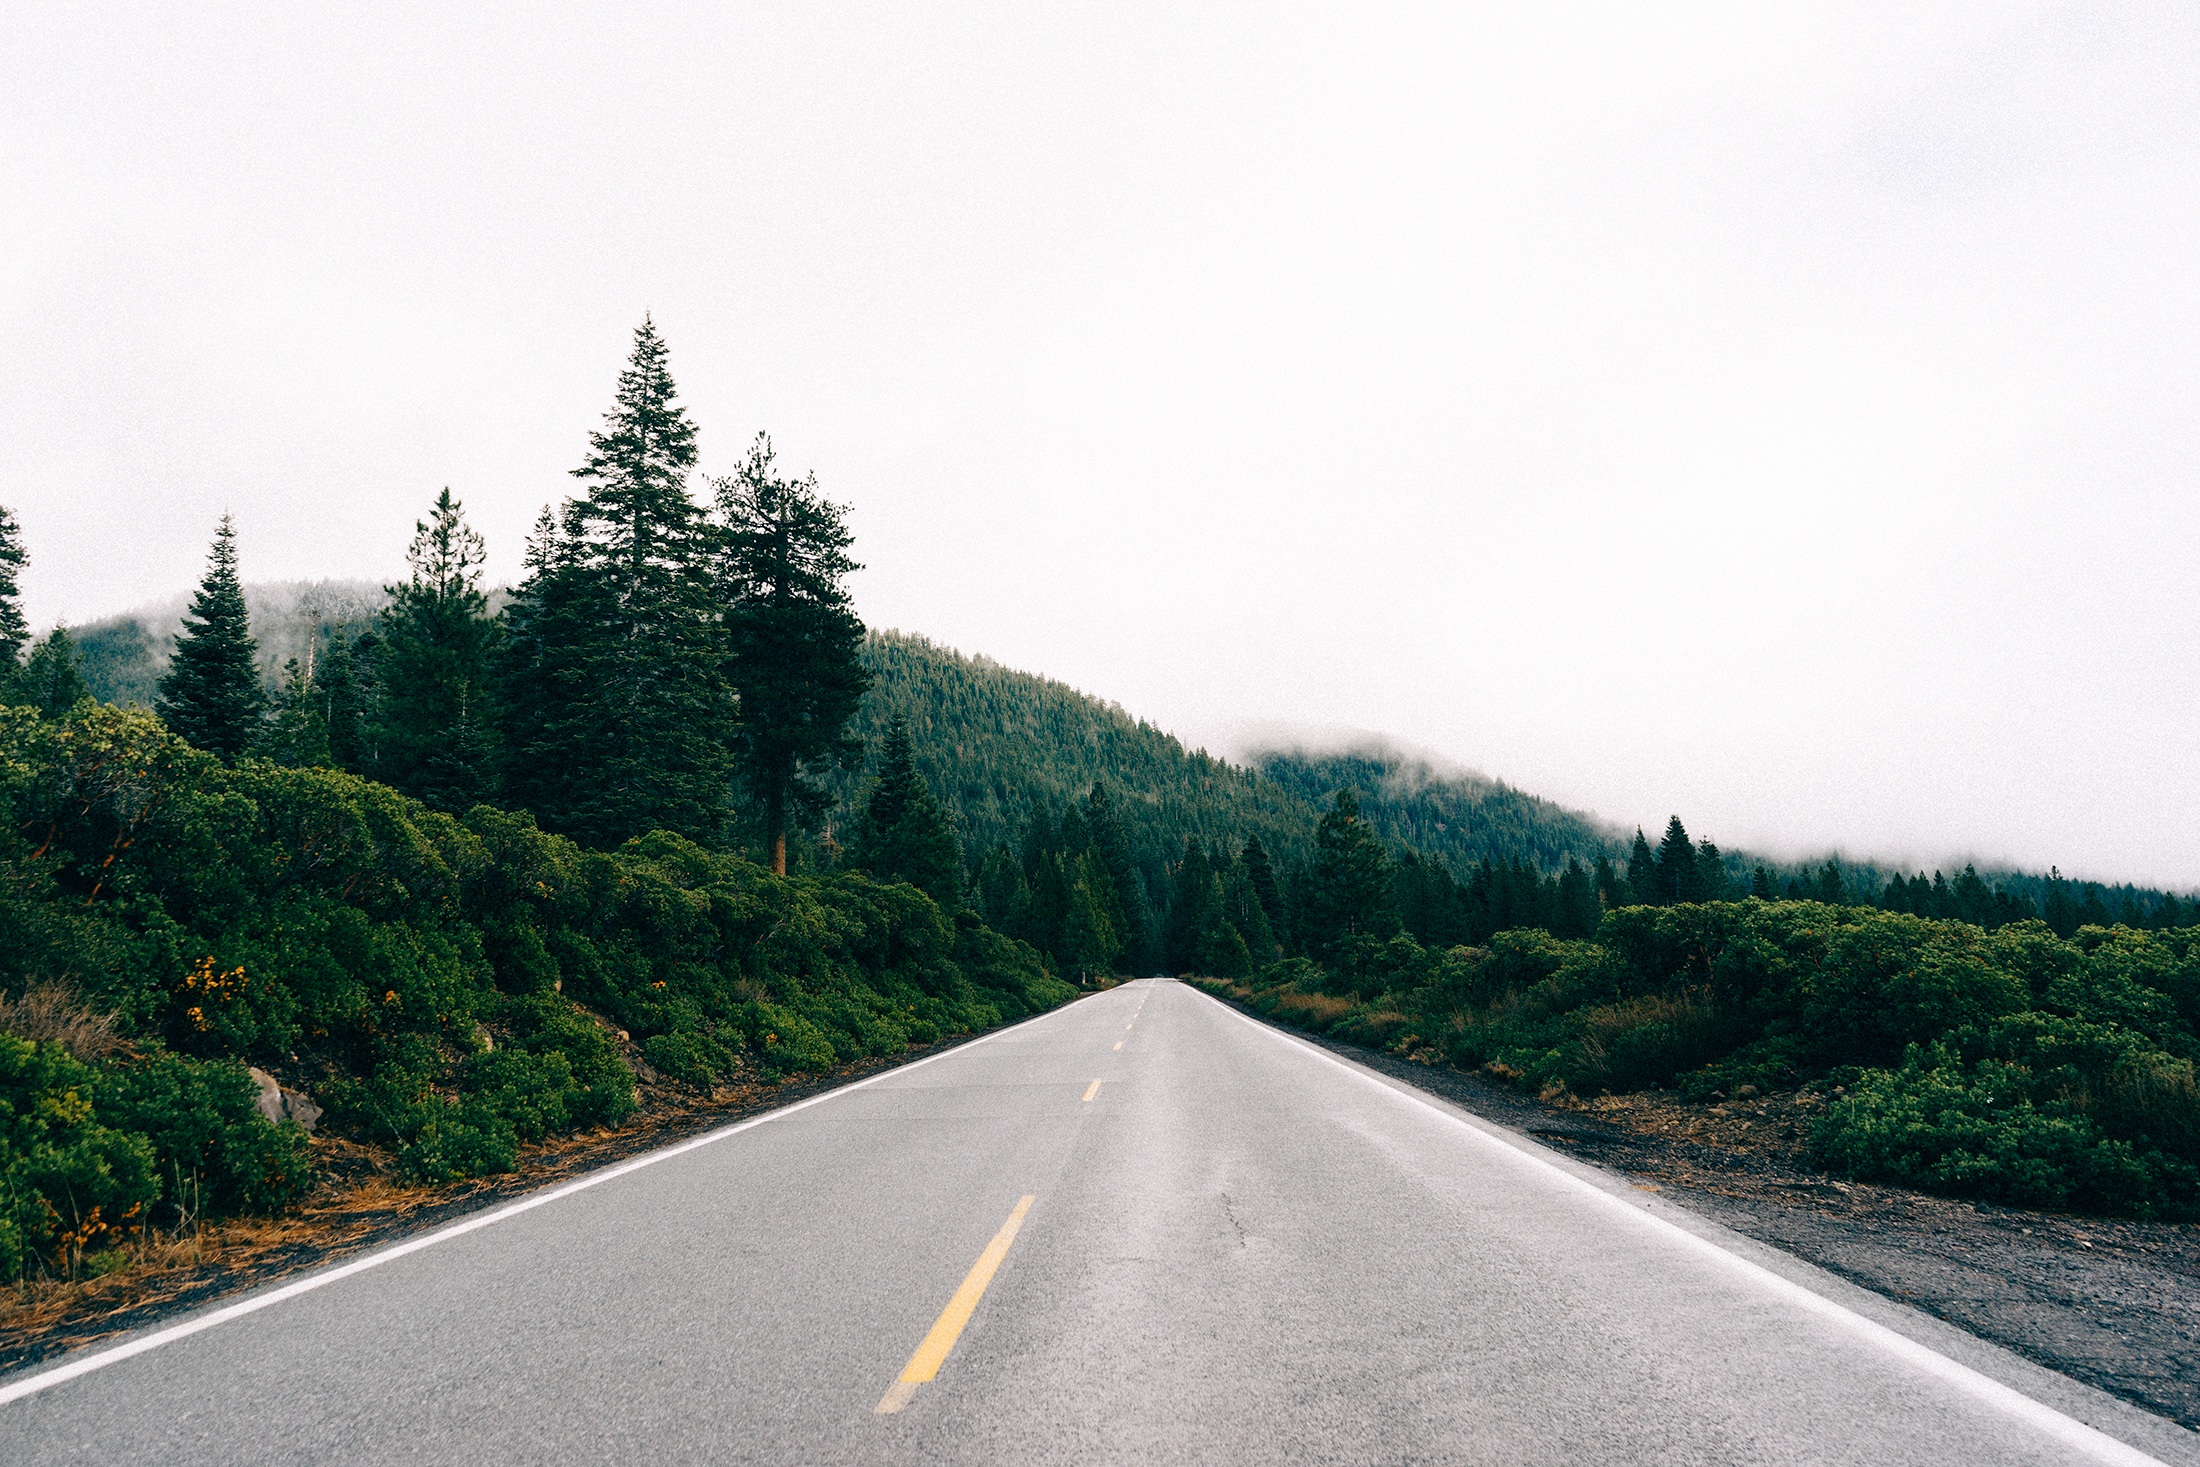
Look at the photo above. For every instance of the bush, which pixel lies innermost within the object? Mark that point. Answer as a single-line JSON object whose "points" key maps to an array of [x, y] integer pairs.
{"points": [[68, 1183], [463, 1141], [1935, 1124], [203, 1122], [692, 1059]]}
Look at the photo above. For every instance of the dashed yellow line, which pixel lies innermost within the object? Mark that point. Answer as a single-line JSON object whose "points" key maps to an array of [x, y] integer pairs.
{"points": [[932, 1353], [1092, 1090], [1118, 1044]]}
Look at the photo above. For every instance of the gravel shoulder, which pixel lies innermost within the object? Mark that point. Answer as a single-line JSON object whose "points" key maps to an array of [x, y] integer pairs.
{"points": [[2113, 1304]]}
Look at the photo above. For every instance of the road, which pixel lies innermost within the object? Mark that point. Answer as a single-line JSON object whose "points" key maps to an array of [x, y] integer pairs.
{"points": [[1236, 1248]]}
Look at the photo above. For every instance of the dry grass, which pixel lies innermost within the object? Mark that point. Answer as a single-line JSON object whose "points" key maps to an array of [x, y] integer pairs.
{"points": [[51, 1013], [1311, 1009]]}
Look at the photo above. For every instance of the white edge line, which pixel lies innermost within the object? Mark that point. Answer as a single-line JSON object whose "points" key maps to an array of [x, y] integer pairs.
{"points": [[2051, 1423], [116, 1354]]}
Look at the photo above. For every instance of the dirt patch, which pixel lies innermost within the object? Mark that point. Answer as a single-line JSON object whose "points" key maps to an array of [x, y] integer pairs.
{"points": [[359, 1204], [2113, 1304]]}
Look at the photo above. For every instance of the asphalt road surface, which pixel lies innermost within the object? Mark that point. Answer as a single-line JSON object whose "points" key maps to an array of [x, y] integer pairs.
{"points": [[1141, 1229]]}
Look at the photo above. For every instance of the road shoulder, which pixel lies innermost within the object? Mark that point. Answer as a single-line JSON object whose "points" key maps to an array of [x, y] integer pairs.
{"points": [[2109, 1307]]}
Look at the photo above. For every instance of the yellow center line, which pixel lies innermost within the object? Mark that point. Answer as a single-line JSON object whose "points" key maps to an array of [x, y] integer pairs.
{"points": [[1118, 1044], [1092, 1090], [932, 1353]]}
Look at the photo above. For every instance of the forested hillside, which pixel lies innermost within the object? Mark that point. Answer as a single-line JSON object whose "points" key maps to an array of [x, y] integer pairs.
{"points": [[997, 745], [1459, 817]]}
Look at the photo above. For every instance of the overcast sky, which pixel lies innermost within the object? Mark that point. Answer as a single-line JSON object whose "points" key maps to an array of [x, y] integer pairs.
{"points": [[1784, 415]]}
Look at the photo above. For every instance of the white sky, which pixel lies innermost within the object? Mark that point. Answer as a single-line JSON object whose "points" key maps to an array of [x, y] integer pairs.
{"points": [[1786, 415]]}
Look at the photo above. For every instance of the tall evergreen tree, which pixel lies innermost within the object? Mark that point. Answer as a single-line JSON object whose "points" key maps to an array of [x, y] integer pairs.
{"points": [[1129, 911], [1760, 884], [434, 734], [620, 709], [1348, 890], [1578, 912], [1642, 872], [1195, 903], [296, 735], [792, 638], [1243, 911], [51, 681], [1676, 873], [904, 836], [1608, 883], [346, 693], [211, 695], [14, 631], [1832, 890], [1260, 873], [1711, 881]]}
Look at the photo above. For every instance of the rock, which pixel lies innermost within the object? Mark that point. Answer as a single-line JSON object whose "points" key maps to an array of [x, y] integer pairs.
{"points": [[1745, 1092], [276, 1103], [300, 1108], [270, 1100]]}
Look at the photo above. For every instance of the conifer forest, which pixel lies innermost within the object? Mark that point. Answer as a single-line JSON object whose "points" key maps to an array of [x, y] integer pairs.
{"points": [[471, 862]]}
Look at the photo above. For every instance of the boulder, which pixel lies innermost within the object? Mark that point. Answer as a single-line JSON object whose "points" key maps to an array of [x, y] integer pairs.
{"points": [[276, 1103], [270, 1099]]}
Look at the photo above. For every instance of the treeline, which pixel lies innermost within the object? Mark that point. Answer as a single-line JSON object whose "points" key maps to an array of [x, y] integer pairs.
{"points": [[663, 665], [469, 875]]}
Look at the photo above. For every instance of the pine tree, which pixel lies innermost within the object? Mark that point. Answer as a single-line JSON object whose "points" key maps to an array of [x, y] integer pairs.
{"points": [[904, 836], [1578, 913], [15, 632], [296, 736], [618, 711], [1195, 901], [1129, 911], [1246, 916], [1348, 891], [211, 695], [1760, 884], [1676, 873], [1607, 881], [1090, 945], [1711, 882], [434, 732], [1260, 872], [1642, 872], [1832, 890], [52, 681], [792, 638], [346, 692]]}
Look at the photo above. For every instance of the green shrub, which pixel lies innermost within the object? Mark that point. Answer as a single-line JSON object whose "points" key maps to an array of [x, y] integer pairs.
{"points": [[1976, 1131], [203, 1122], [461, 1141], [534, 1094], [690, 1058], [68, 1182]]}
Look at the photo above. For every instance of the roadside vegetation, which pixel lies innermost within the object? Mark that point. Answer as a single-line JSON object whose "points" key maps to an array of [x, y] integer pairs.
{"points": [[2012, 1065], [457, 881]]}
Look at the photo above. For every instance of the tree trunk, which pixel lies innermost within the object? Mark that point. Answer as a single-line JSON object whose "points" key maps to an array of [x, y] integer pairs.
{"points": [[775, 820]]}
